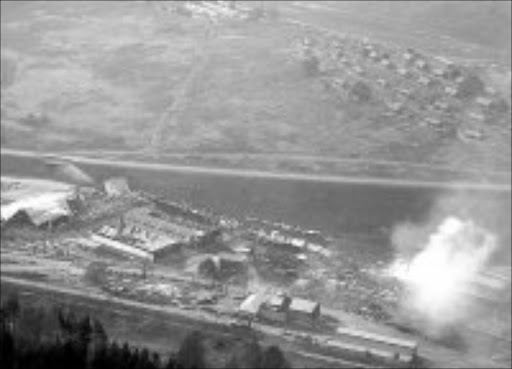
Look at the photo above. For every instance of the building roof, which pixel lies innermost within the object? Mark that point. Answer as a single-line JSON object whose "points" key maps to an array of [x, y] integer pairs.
{"points": [[251, 305], [303, 305]]}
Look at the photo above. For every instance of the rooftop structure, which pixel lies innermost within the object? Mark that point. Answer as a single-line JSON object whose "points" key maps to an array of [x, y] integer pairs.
{"points": [[304, 312], [303, 305]]}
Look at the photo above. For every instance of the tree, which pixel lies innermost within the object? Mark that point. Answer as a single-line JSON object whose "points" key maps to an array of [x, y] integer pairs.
{"points": [[99, 336], [84, 331], [249, 357], [191, 352], [11, 312], [172, 363], [274, 358], [155, 359], [7, 348], [12, 307]]}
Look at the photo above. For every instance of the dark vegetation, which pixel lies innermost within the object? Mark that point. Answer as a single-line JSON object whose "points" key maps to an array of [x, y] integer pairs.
{"points": [[40, 337]]}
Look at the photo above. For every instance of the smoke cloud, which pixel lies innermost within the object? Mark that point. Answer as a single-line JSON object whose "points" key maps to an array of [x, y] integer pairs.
{"points": [[439, 258], [439, 275]]}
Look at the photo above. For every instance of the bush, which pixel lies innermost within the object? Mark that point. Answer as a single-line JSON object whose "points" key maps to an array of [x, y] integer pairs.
{"points": [[273, 358]]}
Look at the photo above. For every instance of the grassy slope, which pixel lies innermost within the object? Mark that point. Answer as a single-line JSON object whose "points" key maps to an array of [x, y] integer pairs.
{"points": [[103, 73]]}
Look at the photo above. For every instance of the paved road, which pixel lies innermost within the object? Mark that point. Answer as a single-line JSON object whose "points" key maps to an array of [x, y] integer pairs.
{"points": [[259, 173], [118, 154]]}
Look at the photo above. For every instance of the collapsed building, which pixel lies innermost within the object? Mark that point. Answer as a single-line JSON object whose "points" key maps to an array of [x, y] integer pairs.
{"points": [[45, 208], [223, 266], [144, 233]]}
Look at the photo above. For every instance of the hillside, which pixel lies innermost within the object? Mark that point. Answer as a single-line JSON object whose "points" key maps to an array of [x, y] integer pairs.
{"points": [[141, 78], [474, 24]]}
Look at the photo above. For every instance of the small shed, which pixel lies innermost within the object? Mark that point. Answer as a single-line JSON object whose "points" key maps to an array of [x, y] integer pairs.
{"points": [[304, 312]]}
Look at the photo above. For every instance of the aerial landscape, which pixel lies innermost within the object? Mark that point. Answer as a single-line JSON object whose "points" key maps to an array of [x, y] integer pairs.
{"points": [[255, 184]]}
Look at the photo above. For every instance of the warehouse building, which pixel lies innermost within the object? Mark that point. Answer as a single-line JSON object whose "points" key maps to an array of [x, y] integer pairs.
{"points": [[250, 307]]}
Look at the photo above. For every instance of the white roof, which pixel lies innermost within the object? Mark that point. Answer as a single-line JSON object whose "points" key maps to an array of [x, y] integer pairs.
{"points": [[252, 304], [303, 305]]}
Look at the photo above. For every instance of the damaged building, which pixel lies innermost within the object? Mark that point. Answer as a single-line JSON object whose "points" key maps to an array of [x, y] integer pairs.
{"points": [[46, 209]]}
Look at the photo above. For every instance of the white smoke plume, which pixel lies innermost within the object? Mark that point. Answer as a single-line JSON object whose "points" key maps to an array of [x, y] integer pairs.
{"points": [[439, 271]]}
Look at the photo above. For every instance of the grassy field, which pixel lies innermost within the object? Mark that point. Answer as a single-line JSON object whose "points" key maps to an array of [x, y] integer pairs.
{"points": [[108, 75]]}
